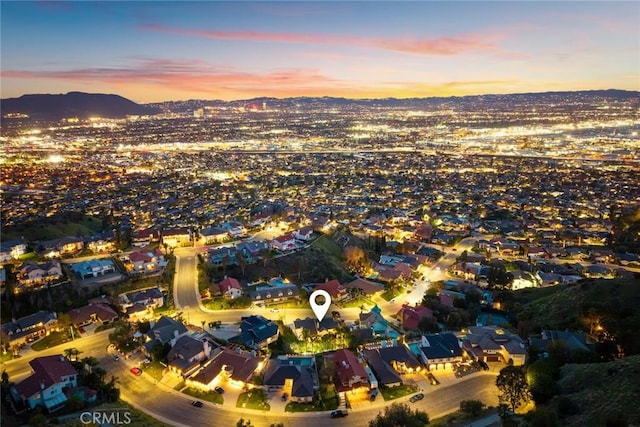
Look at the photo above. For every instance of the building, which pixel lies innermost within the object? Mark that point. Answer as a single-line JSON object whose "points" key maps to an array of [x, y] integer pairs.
{"points": [[58, 247], [148, 298], [494, 344], [145, 237], [212, 235], [45, 387], [174, 237], [349, 373], [256, 332], [383, 371], [410, 317], [294, 375], [230, 288], [440, 351], [165, 331], [92, 313], [187, 353], [35, 274], [93, 268], [335, 289], [29, 328], [266, 294], [234, 366], [12, 250], [284, 243]]}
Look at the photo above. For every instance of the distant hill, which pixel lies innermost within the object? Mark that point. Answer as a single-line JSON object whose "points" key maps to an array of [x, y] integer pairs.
{"points": [[471, 101], [74, 104]]}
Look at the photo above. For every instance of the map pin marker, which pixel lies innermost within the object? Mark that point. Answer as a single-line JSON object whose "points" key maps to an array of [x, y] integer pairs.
{"points": [[320, 309]]}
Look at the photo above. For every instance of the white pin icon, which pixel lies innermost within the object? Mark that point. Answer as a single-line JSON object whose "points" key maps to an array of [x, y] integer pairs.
{"points": [[320, 310]]}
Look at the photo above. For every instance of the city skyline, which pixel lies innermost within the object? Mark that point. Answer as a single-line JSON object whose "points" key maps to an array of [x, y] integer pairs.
{"points": [[152, 52]]}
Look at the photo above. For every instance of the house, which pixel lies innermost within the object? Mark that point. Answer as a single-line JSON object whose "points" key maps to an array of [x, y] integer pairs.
{"points": [[284, 243], [231, 365], [271, 294], [260, 219], [230, 288], [494, 344], [12, 249], [440, 351], [58, 247], [574, 341], [367, 287], [174, 237], [294, 375], [384, 373], [92, 313], [29, 327], [349, 373], [410, 316], [373, 320], [307, 324], [166, 330], [212, 235], [400, 358], [187, 353], [304, 234], [522, 279], [149, 261], [223, 256], [149, 297], [93, 268], [45, 387], [335, 289], [101, 243], [145, 237], [38, 273], [256, 332], [235, 229]]}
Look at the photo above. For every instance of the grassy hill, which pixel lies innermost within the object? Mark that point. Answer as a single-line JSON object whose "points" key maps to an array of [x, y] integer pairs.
{"points": [[321, 261], [613, 304], [52, 228], [602, 391]]}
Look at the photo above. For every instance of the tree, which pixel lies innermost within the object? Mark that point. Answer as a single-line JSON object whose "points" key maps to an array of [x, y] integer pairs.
{"points": [[472, 407], [242, 423], [355, 259], [512, 384], [400, 414], [71, 353], [429, 325]]}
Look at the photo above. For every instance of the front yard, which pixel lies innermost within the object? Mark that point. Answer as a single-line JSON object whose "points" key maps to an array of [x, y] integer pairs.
{"points": [[155, 369], [52, 340], [254, 399], [210, 396], [391, 393]]}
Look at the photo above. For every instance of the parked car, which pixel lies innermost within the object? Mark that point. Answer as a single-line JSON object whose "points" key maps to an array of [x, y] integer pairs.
{"points": [[219, 390], [285, 396], [115, 357], [339, 413], [196, 403], [483, 365], [416, 397], [136, 371]]}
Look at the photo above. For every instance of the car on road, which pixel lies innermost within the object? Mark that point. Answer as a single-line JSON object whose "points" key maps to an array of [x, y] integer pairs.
{"points": [[339, 413], [136, 371], [196, 403], [219, 390], [416, 397], [115, 357]]}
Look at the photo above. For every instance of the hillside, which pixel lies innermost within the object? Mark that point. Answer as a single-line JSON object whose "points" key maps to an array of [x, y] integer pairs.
{"points": [[602, 391], [614, 305], [74, 104]]}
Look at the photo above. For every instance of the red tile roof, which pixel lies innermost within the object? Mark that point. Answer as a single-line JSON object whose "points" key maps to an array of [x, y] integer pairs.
{"points": [[48, 370]]}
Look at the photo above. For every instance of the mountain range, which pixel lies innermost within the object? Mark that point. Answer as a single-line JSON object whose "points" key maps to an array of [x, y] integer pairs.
{"points": [[85, 105]]}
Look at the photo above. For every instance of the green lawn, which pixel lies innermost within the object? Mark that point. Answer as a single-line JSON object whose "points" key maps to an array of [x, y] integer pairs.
{"points": [[316, 405], [254, 399], [388, 295], [357, 302], [6, 357], [154, 369], [211, 396], [52, 340], [391, 393]]}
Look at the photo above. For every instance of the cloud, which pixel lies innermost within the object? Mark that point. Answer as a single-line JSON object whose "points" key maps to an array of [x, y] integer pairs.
{"points": [[469, 43]]}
